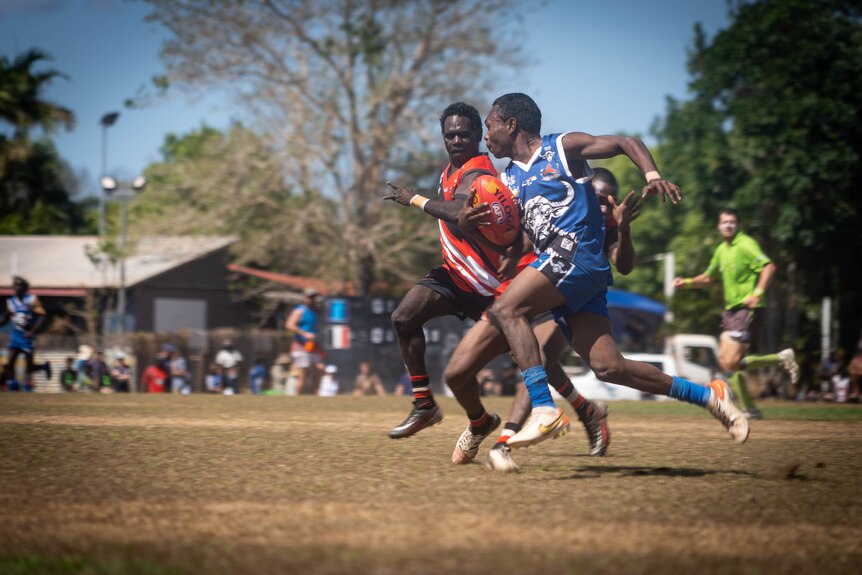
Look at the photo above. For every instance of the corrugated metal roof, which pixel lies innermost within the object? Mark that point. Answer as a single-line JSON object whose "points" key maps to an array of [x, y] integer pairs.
{"points": [[62, 261]]}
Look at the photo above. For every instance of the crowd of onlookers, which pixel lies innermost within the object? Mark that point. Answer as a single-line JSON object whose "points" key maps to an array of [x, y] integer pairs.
{"points": [[169, 372], [839, 380]]}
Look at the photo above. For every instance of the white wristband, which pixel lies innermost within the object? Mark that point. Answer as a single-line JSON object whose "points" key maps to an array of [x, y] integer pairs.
{"points": [[419, 201], [651, 176]]}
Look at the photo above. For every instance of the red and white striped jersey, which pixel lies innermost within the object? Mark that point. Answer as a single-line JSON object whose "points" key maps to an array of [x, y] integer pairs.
{"points": [[472, 267]]}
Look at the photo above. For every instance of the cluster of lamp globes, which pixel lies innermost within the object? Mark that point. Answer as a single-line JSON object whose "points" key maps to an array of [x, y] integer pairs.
{"points": [[110, 185]]}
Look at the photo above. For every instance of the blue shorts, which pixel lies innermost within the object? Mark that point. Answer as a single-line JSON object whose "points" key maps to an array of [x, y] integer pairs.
{"points": [[581, 290], [25, 344]]}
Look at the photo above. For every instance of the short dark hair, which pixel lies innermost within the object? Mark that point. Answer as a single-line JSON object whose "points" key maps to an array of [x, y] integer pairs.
{"points": [[606, 176], [728, 212], [25, 283], [462, 109], [522, 108]]}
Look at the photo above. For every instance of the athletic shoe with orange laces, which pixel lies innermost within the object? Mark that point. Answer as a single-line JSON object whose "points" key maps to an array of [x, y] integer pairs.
{"points": [[720, 404], [545, 422]]}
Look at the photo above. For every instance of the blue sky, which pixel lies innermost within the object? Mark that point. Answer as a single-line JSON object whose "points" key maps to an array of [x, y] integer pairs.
{"points": [[596, 66]]}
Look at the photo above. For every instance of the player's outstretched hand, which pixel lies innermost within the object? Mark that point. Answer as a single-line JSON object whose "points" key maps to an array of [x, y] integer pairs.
{"points": [[626, 211], [402, 194], [470, 218], [664, 189]]}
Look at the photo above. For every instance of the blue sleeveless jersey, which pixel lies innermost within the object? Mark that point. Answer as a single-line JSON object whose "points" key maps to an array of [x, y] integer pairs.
{"points": [[23, 319], [307, 322], [560, 213]]}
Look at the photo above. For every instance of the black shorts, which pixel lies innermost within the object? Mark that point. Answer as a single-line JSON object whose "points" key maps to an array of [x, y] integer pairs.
{"points": [[471, 304], [741, 323]]}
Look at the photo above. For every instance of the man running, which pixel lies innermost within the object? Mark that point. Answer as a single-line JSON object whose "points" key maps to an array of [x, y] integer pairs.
{"points": [[27, 315], [561, 216], [463, 286], [485, 341], [746, 273]]}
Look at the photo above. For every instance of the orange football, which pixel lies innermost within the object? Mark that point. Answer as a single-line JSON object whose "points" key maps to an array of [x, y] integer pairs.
{"points": [[505, 224]]}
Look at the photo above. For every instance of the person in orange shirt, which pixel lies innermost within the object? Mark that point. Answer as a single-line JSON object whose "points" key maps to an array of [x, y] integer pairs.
{"points": [[154, 378]]}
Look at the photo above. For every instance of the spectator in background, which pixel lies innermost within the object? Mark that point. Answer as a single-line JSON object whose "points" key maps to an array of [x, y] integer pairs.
{"points": [[229, 359], [279, 373], [257, 376], [305, 347], [69, 377], [828, 369], [367, 383], [121, 373], [509, 379], [155, 377], [487, 384], [214, 379], [329, 385], [99, 373], [179, 372], [83, 381], [854, 372], [404, 385]]}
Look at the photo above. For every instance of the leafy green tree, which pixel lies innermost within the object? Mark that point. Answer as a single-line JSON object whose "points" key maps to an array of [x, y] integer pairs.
{"points": [[774, 129]]}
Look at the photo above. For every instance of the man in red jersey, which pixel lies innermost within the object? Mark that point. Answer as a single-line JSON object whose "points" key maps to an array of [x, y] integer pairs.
{"points": [[463, 286]]}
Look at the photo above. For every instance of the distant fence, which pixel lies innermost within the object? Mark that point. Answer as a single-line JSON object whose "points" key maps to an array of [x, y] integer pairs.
{"points": [[368, 337]]}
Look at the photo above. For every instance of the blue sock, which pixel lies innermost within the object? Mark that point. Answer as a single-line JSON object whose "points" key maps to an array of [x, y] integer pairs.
{"points": [[685, 390], [537, 384]]}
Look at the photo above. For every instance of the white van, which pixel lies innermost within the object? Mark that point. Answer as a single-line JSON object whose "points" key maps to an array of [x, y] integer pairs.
{"points": [[691, 356]]}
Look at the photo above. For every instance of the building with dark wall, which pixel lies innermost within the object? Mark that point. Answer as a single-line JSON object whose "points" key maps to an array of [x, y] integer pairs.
{"points": [[171, 283]]}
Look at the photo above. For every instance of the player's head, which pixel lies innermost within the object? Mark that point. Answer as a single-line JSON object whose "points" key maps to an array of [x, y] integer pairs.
{"points": [[510, 115], [20, 285], [605, 185], [461, 126], [728, 222]]}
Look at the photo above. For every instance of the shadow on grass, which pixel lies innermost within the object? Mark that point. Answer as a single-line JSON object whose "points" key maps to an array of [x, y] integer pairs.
{"points": [[593, 471]]}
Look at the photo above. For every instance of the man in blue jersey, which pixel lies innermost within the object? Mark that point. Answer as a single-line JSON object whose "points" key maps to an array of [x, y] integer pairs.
{"points": [[305, 347], [561, 218], [27, 315]]}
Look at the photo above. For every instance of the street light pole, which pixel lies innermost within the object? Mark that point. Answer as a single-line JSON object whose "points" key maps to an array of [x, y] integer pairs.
{"points": [[124, 192], [107, 121]]}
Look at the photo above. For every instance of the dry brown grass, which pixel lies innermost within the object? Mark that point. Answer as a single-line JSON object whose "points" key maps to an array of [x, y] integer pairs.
{"points": [[201, 484]]}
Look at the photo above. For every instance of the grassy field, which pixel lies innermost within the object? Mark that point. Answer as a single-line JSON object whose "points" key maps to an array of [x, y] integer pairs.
{"points": [[138, 484]]}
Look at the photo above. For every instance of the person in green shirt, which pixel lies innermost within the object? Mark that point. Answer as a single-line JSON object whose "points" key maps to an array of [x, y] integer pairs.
{"points": [[745, 273]]}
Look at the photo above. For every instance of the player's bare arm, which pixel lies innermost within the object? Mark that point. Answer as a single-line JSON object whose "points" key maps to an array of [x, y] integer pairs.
{"points": [[292, 324], [763, 281], [583, 146], [622, 253], [696, 282], [440, 209], [41, 316]]}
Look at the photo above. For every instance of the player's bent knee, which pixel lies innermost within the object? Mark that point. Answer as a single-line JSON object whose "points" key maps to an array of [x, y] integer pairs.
{"points": [[611, 370]]}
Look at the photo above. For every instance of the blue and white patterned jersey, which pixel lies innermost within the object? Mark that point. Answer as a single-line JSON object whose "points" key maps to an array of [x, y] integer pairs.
{"points": [[23, 312], [560, 213]]}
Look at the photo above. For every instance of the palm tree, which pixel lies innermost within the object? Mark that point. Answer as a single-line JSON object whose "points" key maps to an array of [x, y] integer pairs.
{"points": [[21, 106], [20, 91]]}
